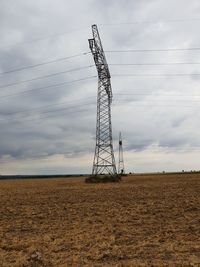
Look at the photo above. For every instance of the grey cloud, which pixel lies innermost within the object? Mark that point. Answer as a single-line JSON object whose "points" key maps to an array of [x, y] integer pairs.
{"points": [[144, 119], [139, 145]]}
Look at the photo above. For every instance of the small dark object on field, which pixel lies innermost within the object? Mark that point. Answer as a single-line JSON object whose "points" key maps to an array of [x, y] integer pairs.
{"points": [[36, 260], [103, 178]]}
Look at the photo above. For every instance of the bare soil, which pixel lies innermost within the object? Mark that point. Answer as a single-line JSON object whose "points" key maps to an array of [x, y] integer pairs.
{"points": [[145, 220]]}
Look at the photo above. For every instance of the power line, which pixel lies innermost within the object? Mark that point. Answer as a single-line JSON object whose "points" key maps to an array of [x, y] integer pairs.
{"points": [[150, 21], [52, 36], [154, 64], [43, 63], [41, 119], [80, 104], [44, 112], [81, 99], [160, 100], [45, 76], [64, 83], [90, 66], [49, 86], [109, 51], [143, 101], [63, 110], [47, 106], [66, 112], [81, 110], [156, 75], [157, 94], [91, 97], [54, 111], [153, 50], [154, 106], [119, 94]]}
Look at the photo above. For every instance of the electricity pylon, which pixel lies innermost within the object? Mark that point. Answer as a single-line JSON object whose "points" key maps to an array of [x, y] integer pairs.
{"points": [[104, 160], [121, 169]]}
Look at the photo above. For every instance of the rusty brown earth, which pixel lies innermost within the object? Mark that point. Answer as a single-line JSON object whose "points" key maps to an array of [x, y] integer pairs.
{"points": [[145, 220]]}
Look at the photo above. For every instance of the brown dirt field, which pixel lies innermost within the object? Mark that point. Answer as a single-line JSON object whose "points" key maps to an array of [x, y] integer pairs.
{"points": [[149, 220]]}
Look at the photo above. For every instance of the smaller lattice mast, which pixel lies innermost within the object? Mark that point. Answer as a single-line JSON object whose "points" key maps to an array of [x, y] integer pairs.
{"points": [[121, 169]]}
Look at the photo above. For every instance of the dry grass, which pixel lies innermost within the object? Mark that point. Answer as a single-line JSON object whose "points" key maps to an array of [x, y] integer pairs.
{"points": [[151, 220]]}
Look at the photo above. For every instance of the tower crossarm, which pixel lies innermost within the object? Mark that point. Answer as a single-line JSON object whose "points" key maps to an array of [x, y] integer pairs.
{"points": [[100, 61]]}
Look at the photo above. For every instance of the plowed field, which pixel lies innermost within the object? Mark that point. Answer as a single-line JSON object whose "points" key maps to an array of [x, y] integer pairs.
{"points": [[145, 220]]}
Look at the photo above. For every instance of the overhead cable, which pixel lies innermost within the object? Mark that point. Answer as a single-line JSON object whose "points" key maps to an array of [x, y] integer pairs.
{"points": [[43, 63]]}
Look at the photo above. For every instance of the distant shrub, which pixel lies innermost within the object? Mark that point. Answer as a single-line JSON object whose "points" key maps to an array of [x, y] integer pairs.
{"points": [[103, 178]]}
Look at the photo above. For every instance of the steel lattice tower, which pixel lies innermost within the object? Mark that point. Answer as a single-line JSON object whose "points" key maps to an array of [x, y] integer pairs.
{"points": [[104, 160], [121, 169]]}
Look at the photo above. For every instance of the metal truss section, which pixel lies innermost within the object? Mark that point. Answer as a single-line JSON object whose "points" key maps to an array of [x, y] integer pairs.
{"points": [[121, 169], [104, 160]]}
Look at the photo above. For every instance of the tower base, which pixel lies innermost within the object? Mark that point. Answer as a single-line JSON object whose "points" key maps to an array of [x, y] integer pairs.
{"points": [[103, 178]]}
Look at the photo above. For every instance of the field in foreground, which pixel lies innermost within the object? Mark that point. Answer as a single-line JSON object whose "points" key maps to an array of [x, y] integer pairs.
{"points": [[149, 220]]}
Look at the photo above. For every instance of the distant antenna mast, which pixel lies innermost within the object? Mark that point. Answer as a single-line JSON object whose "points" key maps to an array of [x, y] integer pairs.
{"points": [[121, 169], [104, 161]]}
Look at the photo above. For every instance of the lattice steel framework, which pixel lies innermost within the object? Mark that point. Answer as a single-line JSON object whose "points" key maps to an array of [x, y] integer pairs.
{"points": [[121, 169], [104, 160]]}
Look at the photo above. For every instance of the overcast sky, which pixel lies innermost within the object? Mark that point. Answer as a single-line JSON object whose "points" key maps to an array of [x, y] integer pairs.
{"points": [[48, 125]]}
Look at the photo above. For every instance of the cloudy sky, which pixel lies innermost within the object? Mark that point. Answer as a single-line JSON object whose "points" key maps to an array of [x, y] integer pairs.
{"points": [[48, 111]]}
